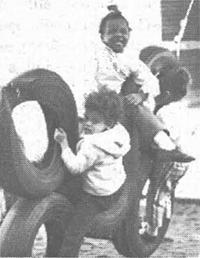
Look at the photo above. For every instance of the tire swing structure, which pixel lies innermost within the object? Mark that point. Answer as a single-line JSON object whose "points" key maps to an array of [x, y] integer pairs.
{"points": [[26, 216], [17, 174], [129, 223], [35, 184], [148, 218]]}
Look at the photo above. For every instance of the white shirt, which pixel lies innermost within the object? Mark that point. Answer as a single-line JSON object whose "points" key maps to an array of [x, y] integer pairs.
{"points": [[100, 160], [183, 125], [107, 68], [112, 69]]}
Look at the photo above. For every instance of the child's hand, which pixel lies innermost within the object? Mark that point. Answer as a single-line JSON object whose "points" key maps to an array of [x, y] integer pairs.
{"points": [[135, 98], [61, 137]]}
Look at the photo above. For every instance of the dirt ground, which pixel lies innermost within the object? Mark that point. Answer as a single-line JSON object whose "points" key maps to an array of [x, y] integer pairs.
{"points": [[182, 238]]}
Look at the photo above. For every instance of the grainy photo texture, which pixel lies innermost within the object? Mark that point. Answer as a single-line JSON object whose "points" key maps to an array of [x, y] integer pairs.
{"points": [[100, 128]]}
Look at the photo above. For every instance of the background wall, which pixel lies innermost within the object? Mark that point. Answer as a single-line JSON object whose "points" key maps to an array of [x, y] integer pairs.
{"points": [[172, 13], [61, 35]]}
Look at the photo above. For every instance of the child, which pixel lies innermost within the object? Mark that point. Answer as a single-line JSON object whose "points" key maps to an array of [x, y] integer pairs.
{"points": [[98, 160], [173, 111], [173, 86], [114, 69]]}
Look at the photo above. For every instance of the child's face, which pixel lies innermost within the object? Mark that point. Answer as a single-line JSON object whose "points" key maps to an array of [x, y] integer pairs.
{"points": [[116, 34], [94, 123]]}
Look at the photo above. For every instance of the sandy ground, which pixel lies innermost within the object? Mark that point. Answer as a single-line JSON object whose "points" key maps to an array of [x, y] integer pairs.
{"points": [[183, 237]]}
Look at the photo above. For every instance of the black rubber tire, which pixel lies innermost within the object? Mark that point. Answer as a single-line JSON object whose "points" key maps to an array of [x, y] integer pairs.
{"points": [[19, 228], [148, 51], [158, 58], [120, 241], [139, 246], [138, 167], [17, 174], [164, 65], [106, 223]]}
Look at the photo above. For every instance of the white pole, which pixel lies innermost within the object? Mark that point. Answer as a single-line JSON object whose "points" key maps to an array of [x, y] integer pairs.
{"points": [[183, 24]]}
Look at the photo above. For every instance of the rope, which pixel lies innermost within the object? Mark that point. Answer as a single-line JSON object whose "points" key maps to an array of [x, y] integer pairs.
{"points": [[183, 24]]}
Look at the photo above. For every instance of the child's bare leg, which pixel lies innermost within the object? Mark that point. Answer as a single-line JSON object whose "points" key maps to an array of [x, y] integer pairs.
{"points": [[154, 132]]}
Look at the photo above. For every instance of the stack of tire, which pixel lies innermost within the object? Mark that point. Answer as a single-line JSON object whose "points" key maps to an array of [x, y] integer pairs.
{"points": [[17, 174], [33, 184], [41, 183]]}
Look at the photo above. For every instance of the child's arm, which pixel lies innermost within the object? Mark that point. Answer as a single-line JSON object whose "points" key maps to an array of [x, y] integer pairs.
{"points": [[144, 77], [149, 83], [79, 163], [137, 98]]}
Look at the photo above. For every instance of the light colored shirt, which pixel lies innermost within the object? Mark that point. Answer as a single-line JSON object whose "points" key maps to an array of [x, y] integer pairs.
{"points": [[112, 69], [107, 68], [182, 124], [99, 160]]}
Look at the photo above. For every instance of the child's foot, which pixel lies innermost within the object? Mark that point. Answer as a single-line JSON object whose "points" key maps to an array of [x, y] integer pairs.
{"points": [[167, 151]]}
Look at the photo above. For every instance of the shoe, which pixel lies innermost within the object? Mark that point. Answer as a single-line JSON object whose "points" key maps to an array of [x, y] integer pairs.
{"points": [[172, 156]]}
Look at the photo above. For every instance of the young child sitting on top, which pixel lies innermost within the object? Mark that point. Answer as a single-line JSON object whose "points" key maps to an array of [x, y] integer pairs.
{"points": [[115, 67], [98, 161]]}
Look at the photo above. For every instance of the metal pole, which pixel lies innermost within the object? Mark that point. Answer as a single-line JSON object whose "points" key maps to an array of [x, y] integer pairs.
{"points": [[183, 24]]}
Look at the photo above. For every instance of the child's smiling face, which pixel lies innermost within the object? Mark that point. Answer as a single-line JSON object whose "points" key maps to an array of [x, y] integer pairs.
{"points": [[116, 34]]}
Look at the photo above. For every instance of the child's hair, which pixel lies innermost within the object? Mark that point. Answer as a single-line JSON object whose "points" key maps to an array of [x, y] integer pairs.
{"points": [[112, 15], [176, 81], [107, 103]]}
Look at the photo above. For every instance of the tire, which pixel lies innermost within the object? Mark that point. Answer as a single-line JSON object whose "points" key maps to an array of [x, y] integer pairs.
{"points": [[165, 66], [158, 59], [20, 227], [137, 166], [143, 244], [106, 223], [120, 241], [17, 174], [146, 52]]}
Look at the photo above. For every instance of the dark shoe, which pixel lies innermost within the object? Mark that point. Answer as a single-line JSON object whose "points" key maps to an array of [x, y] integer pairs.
{"points": [[173, 156]]}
